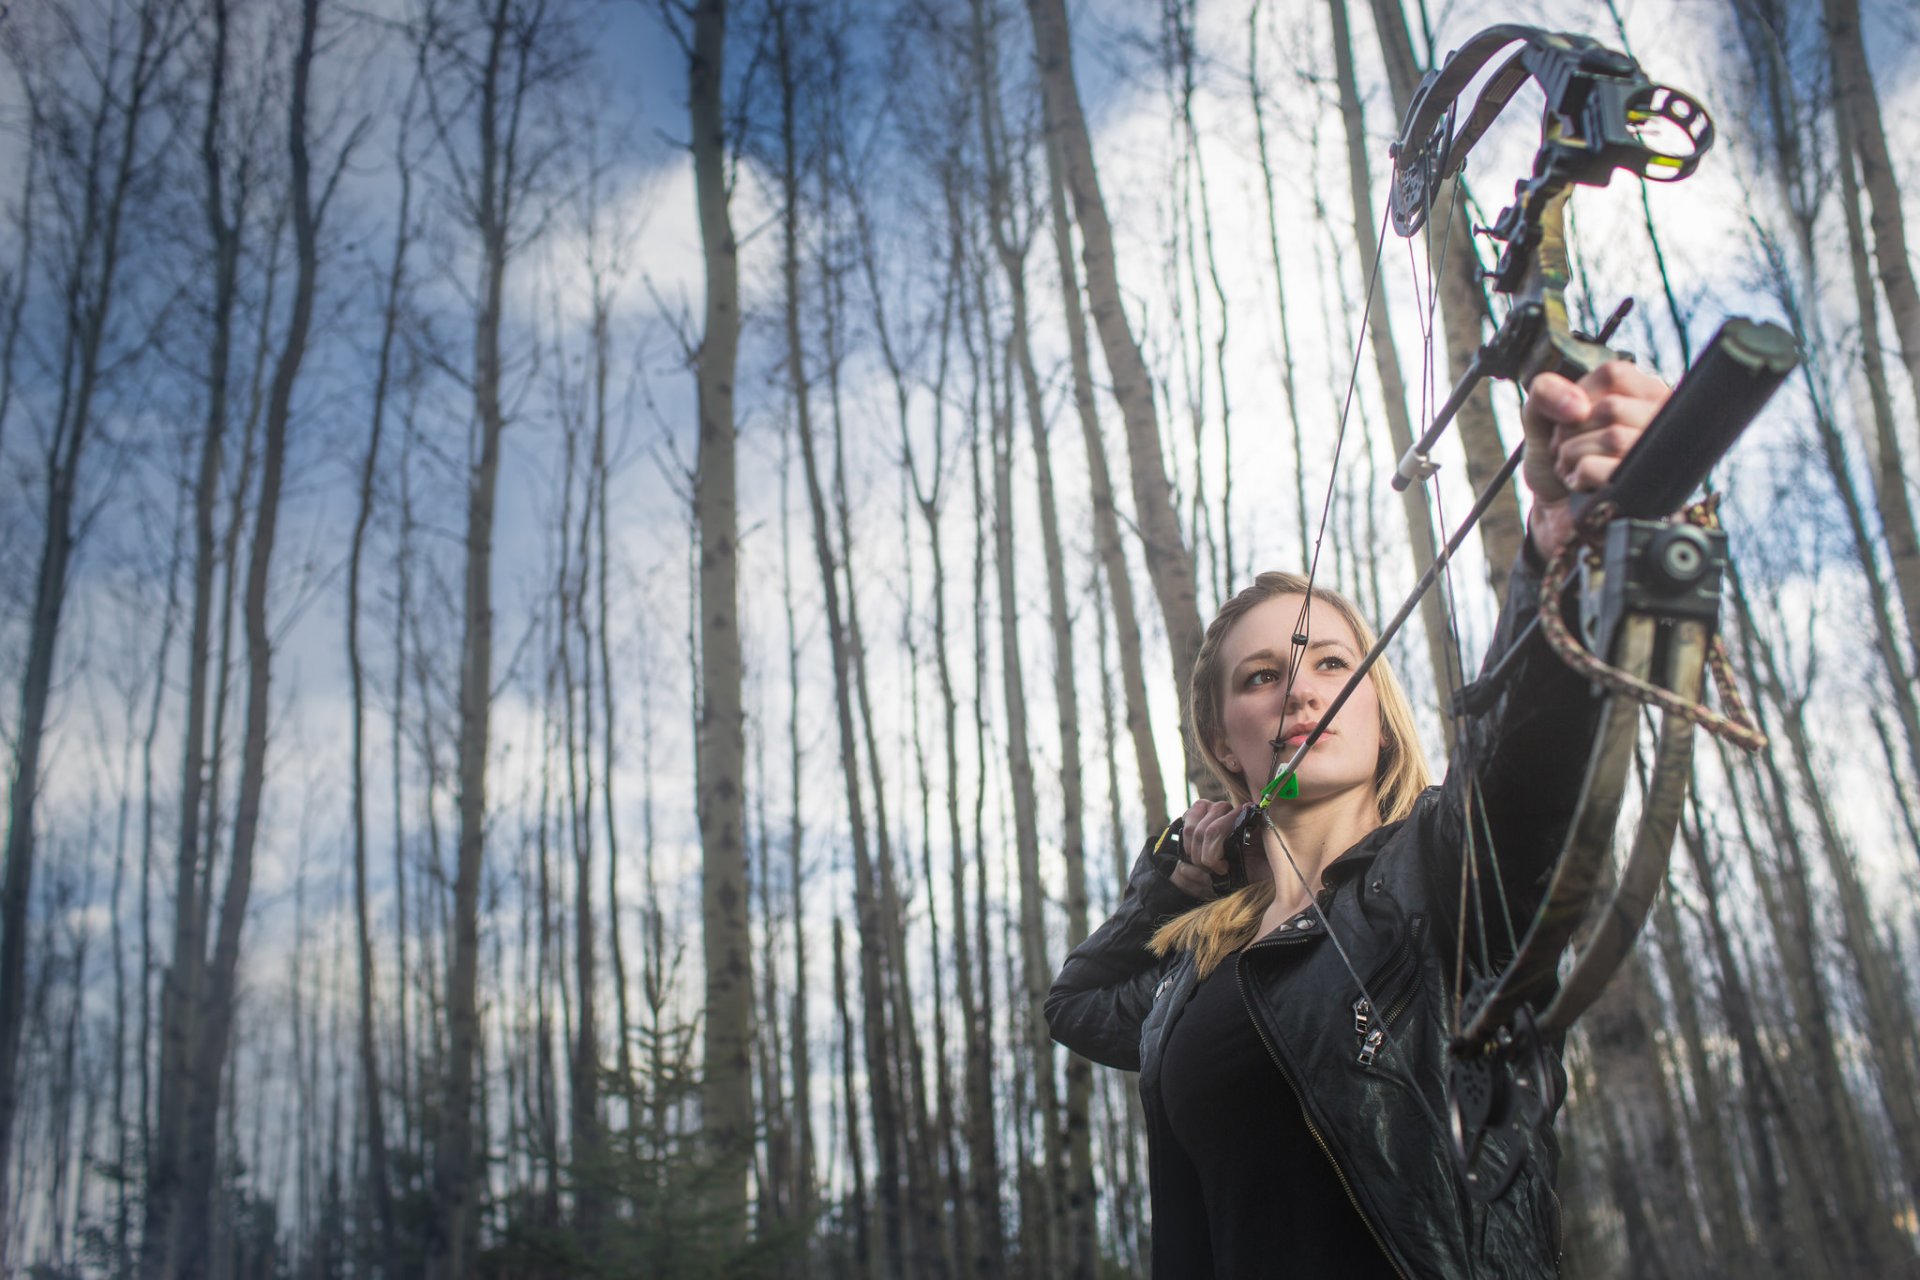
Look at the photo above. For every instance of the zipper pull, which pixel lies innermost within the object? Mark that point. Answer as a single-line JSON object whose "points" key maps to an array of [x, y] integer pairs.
{"points": [[1371, 1046], [1362, 1015]]}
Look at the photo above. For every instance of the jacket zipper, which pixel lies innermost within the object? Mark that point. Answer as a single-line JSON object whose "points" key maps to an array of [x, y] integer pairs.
{"points": [[1373, 1038], [1240, 973]]}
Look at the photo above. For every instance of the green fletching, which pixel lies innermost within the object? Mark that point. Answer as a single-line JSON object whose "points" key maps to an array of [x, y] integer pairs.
{"points": [[1284, 787]]}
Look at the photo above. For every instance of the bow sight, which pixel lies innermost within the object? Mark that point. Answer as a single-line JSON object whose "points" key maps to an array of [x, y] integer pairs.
{"points": [[1649, 584], [1602, 114]]}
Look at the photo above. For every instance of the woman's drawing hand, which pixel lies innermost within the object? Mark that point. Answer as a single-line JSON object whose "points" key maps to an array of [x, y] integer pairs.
{"points": [[1203, 842]]}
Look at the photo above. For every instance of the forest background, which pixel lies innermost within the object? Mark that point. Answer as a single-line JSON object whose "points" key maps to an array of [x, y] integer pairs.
{"points": [[592, 596]]}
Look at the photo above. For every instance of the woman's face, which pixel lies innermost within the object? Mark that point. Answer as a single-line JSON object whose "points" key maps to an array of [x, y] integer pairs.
{"points": [[1255, 705]]}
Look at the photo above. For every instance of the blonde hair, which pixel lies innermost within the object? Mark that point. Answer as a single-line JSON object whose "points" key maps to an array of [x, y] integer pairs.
{"points": [[1218, 929]]}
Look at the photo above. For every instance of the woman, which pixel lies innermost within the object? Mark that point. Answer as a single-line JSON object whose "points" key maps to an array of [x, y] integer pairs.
{"points": [[1296, 1117]]}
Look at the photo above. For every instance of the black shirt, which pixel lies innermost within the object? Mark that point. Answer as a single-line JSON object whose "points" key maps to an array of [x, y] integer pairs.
{"points": [[1241, 1186]]}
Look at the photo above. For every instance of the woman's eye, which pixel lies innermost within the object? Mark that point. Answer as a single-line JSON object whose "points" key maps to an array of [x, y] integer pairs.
{"points": [[1333, 662], [1265, 675]]}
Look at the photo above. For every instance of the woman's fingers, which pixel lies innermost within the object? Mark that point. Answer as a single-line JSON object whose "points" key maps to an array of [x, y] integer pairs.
{"points": [[1204, 832], [1622, 400], [1577, 432], [1585, 459], [1551, 400]]}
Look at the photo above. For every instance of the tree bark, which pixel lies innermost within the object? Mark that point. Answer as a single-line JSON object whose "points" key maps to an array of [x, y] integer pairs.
{"points": [[868, 916], [1108, 547], [1169, 560], [1069, 1172], [1711, 1122], [1865, 1240], [1649, 1182], [1858, 108], [726, 1086], [1779, 1144], [1883, 443]]}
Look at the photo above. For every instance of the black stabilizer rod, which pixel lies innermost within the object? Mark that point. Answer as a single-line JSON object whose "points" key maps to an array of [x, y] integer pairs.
{"points": [[1720, 395]]}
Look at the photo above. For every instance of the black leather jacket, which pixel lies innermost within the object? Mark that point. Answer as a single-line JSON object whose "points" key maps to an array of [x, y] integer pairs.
{"points": [[1392, 901]]}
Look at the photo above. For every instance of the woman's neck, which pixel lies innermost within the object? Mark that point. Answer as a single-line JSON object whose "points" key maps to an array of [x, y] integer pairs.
{"points": [[1314, 834]]}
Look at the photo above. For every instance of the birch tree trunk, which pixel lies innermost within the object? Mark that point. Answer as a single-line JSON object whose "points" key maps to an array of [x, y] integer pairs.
{"points": [[982, 1221], [1883, 444], [1858, 108], [927, 498], [1779, 1148], [1890, 1040], [1067, 1196], [1108, 547], [1865, 1240], [180, 985], [726, 1087], [1648, 1174], [982, 1119], [1169, 560], [799, 1034], [1047, 1231], [1714, 1156]]}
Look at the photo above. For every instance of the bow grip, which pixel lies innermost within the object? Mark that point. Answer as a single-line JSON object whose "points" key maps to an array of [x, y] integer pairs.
{"points": [[1717, 399]]}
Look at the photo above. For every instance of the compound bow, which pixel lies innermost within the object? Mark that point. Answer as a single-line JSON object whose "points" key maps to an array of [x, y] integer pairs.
{"points": [[1649, 580]]}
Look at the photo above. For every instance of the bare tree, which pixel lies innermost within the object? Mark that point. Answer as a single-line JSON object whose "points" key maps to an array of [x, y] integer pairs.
{"points": [[492, 70], [1256, 95], [1857, 107], [373, 1100], [205, 1009], [726, 1098], [1106, 522], [1857, 128], [1169, 559], [100, 176]]}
